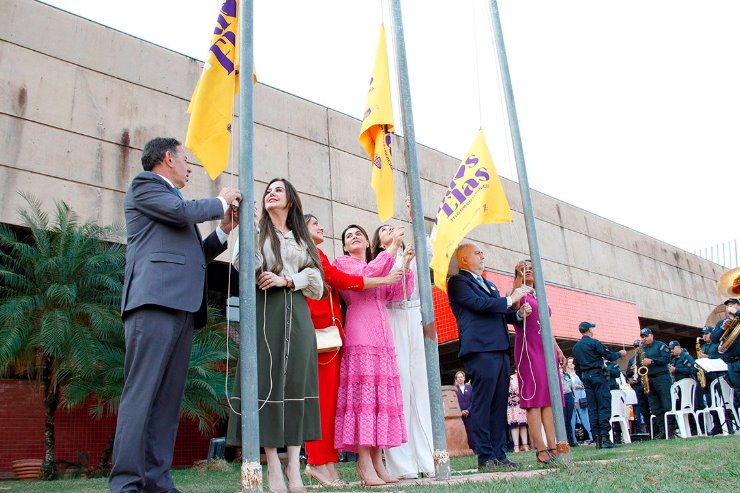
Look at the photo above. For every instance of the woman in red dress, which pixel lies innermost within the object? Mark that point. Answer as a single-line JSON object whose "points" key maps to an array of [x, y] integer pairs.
{"points": [[326, 312]]}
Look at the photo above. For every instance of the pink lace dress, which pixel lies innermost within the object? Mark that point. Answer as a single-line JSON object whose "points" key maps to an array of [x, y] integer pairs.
{"points": [[369, 404]]}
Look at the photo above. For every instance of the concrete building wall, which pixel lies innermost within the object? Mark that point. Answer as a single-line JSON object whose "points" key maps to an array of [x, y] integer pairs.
{"points": [[78, 101]]}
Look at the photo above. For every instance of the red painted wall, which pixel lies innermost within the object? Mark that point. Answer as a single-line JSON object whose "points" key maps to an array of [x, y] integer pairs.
{"points": [[617, 321], [22, 426]]}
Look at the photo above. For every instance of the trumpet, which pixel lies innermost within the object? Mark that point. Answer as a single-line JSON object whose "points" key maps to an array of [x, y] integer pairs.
{"points": [[701, 376], [642, 370]]}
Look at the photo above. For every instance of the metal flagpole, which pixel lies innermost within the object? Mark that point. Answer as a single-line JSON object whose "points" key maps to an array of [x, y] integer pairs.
{"points": [[441, 457], [553, 374], [251, 470]]}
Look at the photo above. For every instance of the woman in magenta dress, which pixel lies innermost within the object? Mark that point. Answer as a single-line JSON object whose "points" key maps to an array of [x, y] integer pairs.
{"points": [[529, 356], [370, 405]]}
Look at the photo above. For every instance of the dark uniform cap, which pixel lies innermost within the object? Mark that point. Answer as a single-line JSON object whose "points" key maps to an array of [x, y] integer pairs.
{"points": [[583, 327], [706, 330], [731, 301], [636, 343], [645, 332], [673, 344]]}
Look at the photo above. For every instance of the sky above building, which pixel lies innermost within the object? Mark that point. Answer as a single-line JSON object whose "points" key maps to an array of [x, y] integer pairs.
{"points": [[627, 109]]}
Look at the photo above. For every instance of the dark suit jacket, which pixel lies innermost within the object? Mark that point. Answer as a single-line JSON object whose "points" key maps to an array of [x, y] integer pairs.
{"points": [[165, 256], [465, 399], [481, 316]]}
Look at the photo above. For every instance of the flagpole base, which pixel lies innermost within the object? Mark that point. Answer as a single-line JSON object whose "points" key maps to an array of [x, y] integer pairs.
{"points": [[251, 477], [564, 453], [441, 465]]}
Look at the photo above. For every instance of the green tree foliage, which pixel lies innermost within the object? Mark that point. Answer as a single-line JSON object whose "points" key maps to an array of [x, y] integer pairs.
{"points": [[204, 400], [60, 292]]}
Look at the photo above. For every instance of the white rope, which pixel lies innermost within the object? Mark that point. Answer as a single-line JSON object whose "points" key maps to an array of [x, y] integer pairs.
{"points": [[524, 349]]}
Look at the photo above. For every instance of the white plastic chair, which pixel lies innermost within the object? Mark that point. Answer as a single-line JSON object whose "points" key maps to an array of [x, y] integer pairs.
{"points": [[682, 407], [729, 398], [714, 405], [619, 415]]}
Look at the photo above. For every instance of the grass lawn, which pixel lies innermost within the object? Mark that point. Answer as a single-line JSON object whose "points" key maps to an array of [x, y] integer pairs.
{"points": [[698, 464]]}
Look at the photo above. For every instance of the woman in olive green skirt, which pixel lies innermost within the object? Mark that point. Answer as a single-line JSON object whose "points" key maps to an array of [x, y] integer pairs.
{"points": [[289, 270], [287, 378]]}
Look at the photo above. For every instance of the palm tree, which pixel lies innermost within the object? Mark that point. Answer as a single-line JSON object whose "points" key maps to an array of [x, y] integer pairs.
{"points": [[60, 289], [204, 399]]}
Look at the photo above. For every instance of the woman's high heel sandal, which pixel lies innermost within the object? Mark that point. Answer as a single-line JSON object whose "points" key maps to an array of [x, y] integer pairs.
{"points": [[368, 482], [332, 483], [549, 459]]}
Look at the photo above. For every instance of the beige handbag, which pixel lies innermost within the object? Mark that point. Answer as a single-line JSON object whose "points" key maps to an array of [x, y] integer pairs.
{"points": [[329, 339]]}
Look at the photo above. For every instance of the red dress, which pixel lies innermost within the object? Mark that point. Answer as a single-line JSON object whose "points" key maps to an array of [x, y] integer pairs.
{"points": [[322, 451]]}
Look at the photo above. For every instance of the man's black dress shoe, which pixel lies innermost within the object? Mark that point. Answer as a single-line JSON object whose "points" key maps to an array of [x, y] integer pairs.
{"points": [[495, 465]]}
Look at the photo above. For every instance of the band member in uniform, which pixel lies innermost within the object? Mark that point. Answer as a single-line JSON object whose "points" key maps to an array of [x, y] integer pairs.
{"points": [[614, 375], [589, 355], [684, 366], [642, 409], [710, 350], [657, 357], [731, 356]]}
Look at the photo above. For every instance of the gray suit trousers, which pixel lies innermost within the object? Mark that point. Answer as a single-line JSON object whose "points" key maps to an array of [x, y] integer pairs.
{"points": [[158, 344]]}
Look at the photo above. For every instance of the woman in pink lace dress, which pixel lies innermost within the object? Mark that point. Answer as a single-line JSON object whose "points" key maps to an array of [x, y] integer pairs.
{"points": [[370, 405]]}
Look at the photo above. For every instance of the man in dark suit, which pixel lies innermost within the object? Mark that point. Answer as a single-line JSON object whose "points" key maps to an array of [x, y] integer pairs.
{"points": [[164, 300], [482, 315], [465, 400]]}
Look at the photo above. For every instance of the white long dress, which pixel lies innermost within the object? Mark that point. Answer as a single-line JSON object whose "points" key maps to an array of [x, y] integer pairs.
{"points": [[415, 455]]}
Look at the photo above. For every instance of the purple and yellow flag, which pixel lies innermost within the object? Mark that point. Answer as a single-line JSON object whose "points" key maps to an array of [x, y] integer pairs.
{"points": [[475, 196], [212, 105], [375, 134]]}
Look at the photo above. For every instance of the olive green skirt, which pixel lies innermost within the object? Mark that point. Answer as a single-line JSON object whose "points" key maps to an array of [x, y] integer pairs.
{"points": [[287, 373]]}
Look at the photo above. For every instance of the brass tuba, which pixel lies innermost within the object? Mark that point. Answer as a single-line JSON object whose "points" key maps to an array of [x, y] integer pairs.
{"points": [[701, 376], [642, 370], [731, 328], [729, 285]]}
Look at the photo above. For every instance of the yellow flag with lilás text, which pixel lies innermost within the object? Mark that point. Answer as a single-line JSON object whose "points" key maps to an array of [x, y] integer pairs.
{"points": [[475, 196], [212, 105], [375, 133]]}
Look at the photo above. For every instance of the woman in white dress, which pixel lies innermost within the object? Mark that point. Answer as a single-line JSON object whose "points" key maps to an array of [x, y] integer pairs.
{"points": [[415, 456]]}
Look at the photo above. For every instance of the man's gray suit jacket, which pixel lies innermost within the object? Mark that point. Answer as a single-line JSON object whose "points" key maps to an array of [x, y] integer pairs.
{"points": [[165, 257]]}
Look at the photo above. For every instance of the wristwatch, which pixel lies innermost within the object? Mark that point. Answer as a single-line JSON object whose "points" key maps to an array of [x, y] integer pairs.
{"points": [[289, 282]]}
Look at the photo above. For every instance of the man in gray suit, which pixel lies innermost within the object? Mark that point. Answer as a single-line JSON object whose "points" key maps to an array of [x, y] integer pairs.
{"points": [[164, 300]]}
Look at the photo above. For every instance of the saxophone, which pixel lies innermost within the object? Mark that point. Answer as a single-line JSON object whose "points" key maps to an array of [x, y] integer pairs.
{"points": [[701, 376], [642, 370]]}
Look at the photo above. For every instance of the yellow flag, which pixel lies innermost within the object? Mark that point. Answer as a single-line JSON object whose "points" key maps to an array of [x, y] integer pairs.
{"points": [[375, 134], [212, 105], [475, 196]]}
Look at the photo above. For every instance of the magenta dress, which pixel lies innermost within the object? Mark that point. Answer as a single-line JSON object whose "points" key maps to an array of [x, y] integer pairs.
{"points": [[530, 361], [369, 403]]}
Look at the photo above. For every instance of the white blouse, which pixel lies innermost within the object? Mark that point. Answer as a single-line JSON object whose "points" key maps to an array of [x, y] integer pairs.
{"points": [[297, 264]]}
